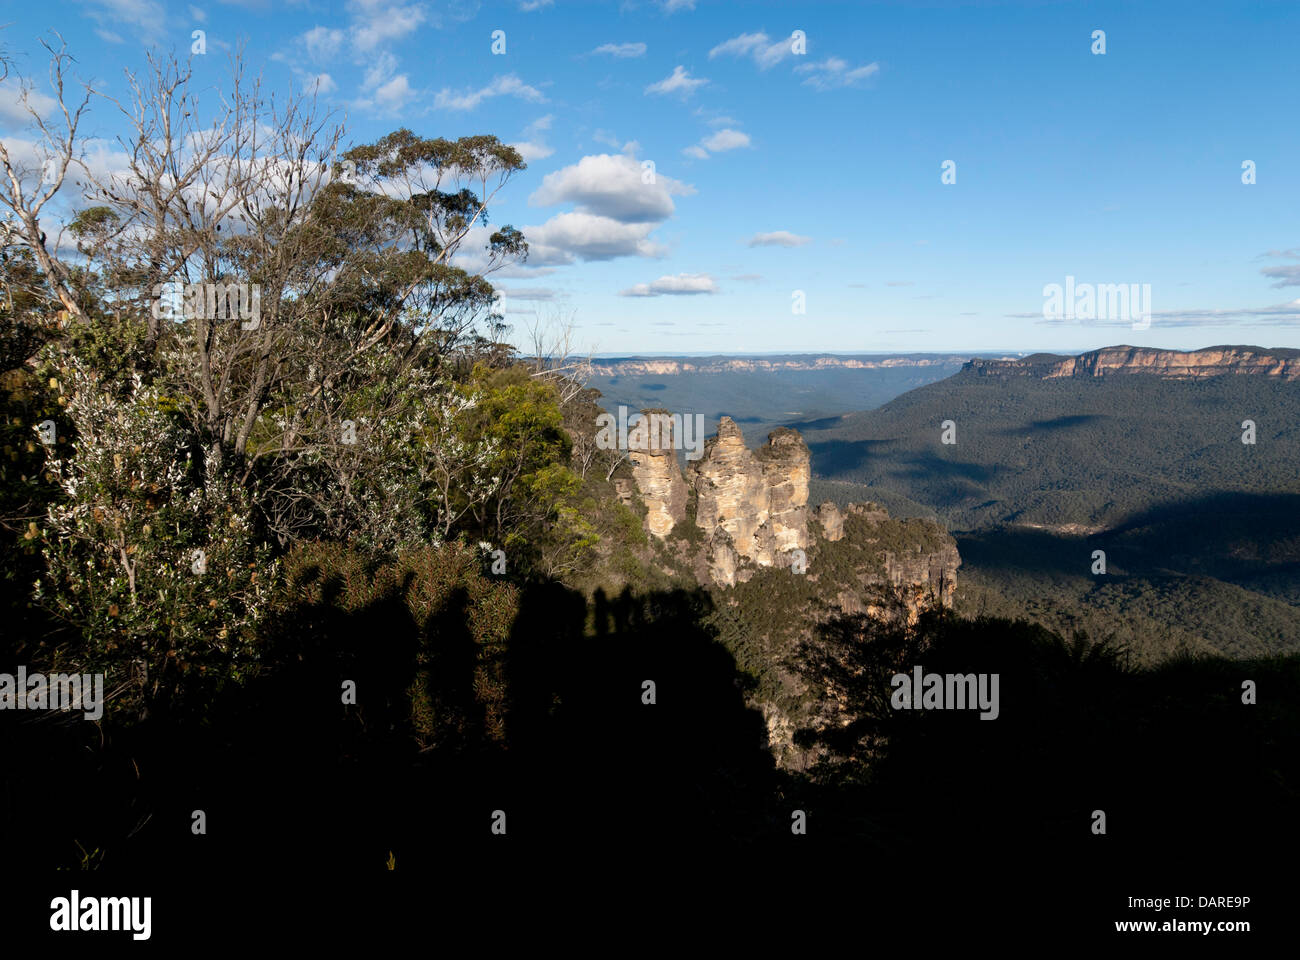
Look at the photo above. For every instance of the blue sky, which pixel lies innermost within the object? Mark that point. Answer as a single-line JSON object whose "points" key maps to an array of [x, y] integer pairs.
{"points": [[821, 171]]}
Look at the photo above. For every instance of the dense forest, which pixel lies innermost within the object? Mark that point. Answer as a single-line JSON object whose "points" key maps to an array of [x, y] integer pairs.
{"points": [[1201, 532]]}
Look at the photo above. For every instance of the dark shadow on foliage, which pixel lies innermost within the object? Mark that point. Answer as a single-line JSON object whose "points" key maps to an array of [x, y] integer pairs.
{"points": [[472, 697], [1181, 767]]}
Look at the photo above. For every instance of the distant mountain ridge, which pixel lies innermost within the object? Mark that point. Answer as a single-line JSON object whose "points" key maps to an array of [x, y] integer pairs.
{"points": [[1283, 363], [671, 366]]}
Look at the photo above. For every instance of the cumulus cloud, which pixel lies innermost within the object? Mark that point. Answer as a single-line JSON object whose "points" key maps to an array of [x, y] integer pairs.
{"points": [[377, 22], [534, 147], [681, 285], [146, 17], [612, 186], [508, 85], [12, 109], [725, 140], [834, 73], [758, 46], [622, 50], [717, 143], [323, 44], [679, 82], [584, 236], [322, 83], [778, 238]]}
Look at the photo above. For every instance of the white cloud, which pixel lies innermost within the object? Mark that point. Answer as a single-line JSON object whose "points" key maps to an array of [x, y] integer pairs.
{"points": [[322, 83], [385, 91], [679, 82], [535, 146], [198, 14], [323, 44], [508, 85], [146, 16], [380, 69], [532, 150], [584, 236], [529, 293], [778, 238], [672, 6], [759, 46], [725, 140], [683, 284], [528, 6], [12, 110], [611, 186], [376, 22], [394, 94], [834, 73], [622, 50], [718, 142]]}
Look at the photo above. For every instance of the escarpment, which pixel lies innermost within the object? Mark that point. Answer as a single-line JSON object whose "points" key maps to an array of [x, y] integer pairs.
{"points": [[1283, 364]]}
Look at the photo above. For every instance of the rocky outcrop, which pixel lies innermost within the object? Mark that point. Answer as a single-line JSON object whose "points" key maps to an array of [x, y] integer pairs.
{"points": [[658, 477], [729, 485], [831, 520], [1168, 364], [787, 467], [752, 511], [924, 579], [760, 499]]}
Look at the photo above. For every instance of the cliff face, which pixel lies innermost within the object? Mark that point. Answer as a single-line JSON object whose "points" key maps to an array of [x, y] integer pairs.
{"points": [[1169, 364], [758, 500], [732, 494], [913, 563], [861, 562], [659, 478]]}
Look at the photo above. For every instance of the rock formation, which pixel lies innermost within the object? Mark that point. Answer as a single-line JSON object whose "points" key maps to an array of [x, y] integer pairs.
{"points": [[831, 520], [658, 477], [752, 511], [1169, 364], [759, 499]]}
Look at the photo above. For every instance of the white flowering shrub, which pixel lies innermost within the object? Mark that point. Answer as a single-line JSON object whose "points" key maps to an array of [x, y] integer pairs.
{"points": [[150, 556]]}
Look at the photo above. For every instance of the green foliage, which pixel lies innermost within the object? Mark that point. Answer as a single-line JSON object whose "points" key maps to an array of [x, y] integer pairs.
{"points": [[1201, 531], [151, 558]]}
